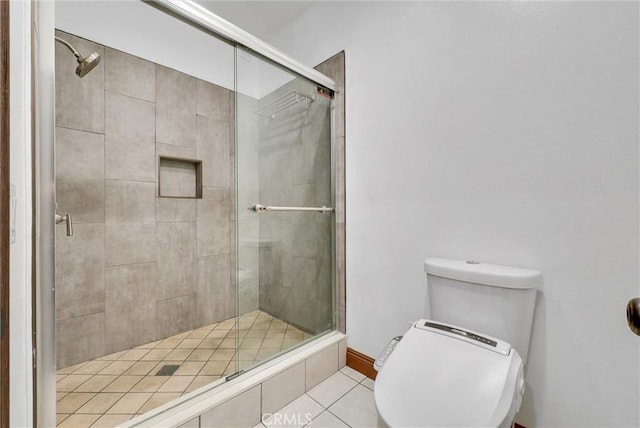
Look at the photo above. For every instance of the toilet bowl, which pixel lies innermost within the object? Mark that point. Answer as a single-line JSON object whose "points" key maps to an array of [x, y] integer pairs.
{"points": [[464, 366], [445, 376]]}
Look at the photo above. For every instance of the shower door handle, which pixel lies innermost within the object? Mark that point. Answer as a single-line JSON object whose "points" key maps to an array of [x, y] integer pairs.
{"points": [[260, 208], [67, 219]]}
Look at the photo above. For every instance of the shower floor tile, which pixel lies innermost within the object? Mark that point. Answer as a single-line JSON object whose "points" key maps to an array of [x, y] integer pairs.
{"points": [[112, 389]]}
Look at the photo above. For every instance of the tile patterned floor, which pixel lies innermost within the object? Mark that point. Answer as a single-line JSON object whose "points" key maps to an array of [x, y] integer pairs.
{"points": [[343, 400], [112, 389]]}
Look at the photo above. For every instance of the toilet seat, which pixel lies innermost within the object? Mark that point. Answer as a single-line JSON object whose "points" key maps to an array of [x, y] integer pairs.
{"points": [[440, 378]]}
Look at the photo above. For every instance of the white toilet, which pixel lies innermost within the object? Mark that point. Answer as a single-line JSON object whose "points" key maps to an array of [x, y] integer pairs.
{"points": [[464, 366]]}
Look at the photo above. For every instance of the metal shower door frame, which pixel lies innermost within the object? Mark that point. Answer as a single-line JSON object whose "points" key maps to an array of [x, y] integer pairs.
{"points": [[43, 108], [198, 15]]}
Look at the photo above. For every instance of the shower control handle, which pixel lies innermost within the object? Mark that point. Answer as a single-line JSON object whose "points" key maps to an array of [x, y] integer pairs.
{"points": [[67, 219]]}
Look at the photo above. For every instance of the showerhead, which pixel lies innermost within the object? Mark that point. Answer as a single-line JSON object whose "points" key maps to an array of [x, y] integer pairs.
{"points": [[86, 64]]}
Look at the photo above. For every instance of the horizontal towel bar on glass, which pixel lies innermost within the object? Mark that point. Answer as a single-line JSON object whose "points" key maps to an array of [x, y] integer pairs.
{"points": [[259, 208]]}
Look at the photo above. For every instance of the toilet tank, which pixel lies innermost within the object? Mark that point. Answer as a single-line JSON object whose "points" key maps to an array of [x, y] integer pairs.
{"points": [[496, 300]]}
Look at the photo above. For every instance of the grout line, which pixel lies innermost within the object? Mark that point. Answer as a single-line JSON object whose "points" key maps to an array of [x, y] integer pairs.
{"points": [[80, 130], [128, 181], [133, 97], [340, 397], [265, 332], [305, 375], [321, 405], [106, 266], [338, 417]]}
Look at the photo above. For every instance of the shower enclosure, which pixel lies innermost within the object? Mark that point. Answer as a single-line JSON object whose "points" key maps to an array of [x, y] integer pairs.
{"points": [[195, 196]]}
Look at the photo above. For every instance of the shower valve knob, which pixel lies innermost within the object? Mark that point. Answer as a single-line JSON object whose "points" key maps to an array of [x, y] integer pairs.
{"points": [[66, 219]]}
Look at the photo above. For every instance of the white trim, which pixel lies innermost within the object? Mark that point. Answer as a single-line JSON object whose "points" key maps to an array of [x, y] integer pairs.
{"points": [[198, 14], [183, 409], [20, 346]]}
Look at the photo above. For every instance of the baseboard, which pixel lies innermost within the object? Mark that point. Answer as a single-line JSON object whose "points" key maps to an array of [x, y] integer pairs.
{"points": [[361, 363]]}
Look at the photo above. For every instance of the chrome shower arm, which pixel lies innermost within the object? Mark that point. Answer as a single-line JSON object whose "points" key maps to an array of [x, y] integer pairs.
{"points": [[65, 43]]}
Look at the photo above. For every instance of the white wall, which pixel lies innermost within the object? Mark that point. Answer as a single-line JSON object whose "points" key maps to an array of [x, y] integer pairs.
{"points": [[142, 30], [20, 269], [506, 133]]}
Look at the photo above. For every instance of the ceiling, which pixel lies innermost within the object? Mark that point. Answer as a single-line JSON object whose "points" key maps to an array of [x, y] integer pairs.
{"points": [[263, 19]]}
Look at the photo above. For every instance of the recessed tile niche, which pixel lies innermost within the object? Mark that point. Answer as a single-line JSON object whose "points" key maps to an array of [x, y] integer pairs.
{"points": [[179, 178]]}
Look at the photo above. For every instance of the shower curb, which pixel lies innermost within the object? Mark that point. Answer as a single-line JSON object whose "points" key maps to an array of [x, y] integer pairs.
{"points": [[189, 408]]}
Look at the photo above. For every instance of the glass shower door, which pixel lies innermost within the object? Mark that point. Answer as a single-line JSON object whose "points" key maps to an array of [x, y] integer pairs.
{"points": [[285, 219]]}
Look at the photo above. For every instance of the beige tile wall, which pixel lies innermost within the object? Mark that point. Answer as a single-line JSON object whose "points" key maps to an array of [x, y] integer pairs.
{"points": [[139, 268]]}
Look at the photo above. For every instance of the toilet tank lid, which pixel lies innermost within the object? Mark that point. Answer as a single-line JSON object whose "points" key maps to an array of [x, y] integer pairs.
{"points": [[483, 273]]}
